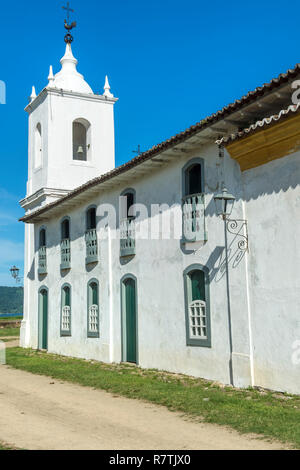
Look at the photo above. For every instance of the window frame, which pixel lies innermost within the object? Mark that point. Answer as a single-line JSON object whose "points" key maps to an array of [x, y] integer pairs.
{"points": [[87, 210], [37, 165], [91, 334], [42, 228], [66, 217], [41, 251], [65, 333], [87, 126], [123, 194], [185, 184], [187, 300]]}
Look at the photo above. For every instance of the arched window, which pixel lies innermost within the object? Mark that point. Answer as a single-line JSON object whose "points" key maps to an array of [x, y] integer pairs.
{"points": [[196, 288], [66, 317], [193, 177], [65, 229], [127, 224], [42, 238], [93, 322], [91, 218], [65, 244], [38, 146], [81, 139], [42, 262], [127, 202], [193, 202], [91, 240]]}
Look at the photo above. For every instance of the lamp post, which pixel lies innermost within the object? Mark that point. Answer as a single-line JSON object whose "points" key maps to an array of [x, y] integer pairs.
{"points": [[224, 205], [15, 273]]}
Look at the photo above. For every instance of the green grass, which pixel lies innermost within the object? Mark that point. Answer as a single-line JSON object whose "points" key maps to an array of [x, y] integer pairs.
{"points": [[8, 340], [9, 332], [5, 319], [272, 415]]}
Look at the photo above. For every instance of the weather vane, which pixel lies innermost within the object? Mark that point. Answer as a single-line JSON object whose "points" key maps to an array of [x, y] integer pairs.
{"points": [[68, 26]]}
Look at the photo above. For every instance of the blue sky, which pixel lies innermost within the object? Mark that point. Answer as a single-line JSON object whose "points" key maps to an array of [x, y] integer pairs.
{"points": [[170, 63]]}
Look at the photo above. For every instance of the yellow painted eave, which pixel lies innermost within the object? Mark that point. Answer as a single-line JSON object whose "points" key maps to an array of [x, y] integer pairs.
{"points": [[262, 146]]}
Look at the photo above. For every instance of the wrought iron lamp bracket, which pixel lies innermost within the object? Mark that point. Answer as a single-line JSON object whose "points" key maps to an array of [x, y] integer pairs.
{"points": [[239, 228]]}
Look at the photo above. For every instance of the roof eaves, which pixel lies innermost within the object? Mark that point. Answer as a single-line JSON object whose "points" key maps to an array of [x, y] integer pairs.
{"points": [[259, 125]]}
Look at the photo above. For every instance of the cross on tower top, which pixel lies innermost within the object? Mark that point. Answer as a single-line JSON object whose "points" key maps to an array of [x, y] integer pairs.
{"points": [[68, 26], [68, 11]]}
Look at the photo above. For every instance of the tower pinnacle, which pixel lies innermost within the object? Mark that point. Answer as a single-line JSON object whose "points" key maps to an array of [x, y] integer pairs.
{"points": [[51, 76], [107, 89], [68, 37]]}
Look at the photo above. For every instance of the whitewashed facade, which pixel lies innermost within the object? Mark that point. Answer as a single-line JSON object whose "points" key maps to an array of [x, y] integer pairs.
{"points": [[251, 330]]}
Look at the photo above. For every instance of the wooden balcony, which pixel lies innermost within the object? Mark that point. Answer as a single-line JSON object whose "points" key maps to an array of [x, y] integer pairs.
{"points": [[193, 218], [127, 237], [42, 262], [65, 250], [91, 246]]}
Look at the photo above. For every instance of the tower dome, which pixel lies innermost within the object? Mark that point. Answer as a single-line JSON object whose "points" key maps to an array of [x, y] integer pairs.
{"points": [[69, 78]]}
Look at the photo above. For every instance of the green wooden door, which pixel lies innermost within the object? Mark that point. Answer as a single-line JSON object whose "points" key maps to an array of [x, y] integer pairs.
{"points": [[130, 312], [43, 319]]}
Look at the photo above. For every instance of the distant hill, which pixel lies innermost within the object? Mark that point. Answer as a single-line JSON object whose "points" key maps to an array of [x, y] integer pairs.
{"points": [[11, 299]]}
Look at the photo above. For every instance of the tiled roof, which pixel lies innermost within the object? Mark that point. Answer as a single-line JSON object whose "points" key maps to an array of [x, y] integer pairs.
{"points": [[176, 139]]}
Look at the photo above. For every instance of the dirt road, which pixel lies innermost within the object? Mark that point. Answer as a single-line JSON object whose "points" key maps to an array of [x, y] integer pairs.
{"points": [[37, 412]]}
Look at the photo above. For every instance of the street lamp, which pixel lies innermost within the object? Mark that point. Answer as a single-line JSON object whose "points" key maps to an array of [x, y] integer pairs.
{"points": [[15, 273], [224, 203]]}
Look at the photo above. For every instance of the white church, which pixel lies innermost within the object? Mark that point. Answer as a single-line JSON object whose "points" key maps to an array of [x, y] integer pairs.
{"points": [[105, 278]]}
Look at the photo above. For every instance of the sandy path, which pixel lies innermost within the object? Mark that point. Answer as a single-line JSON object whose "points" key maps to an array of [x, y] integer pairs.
{"points": [[11, 341], [37, 412]]}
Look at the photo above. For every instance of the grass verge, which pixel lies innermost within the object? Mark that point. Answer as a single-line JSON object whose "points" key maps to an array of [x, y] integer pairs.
{"points": [[9, 332], [269, 414], [6, 319]]}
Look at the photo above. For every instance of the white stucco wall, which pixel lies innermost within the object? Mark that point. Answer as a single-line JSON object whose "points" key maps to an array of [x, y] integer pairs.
{"points": [[272, 200], [264, 283], [158, 267]]}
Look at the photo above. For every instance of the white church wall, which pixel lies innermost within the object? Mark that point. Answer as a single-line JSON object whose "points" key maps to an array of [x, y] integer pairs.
{"points": [[272, 200], [28, 334], [264, 290], [38, 174], [158, 266]]}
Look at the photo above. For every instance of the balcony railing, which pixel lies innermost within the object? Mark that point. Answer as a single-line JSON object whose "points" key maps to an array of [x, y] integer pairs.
{"points": [[93, 321], [42, 266], [193, 218], [65, 250], [127, 237], [91, 246]]}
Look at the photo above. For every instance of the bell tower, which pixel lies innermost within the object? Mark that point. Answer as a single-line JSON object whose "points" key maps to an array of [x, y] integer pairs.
{"points": [[71, 132]]}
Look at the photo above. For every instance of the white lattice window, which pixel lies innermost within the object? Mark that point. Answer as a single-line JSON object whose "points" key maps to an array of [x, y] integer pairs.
{"points": [[198, 320], [93, 319], [66, 318]]}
